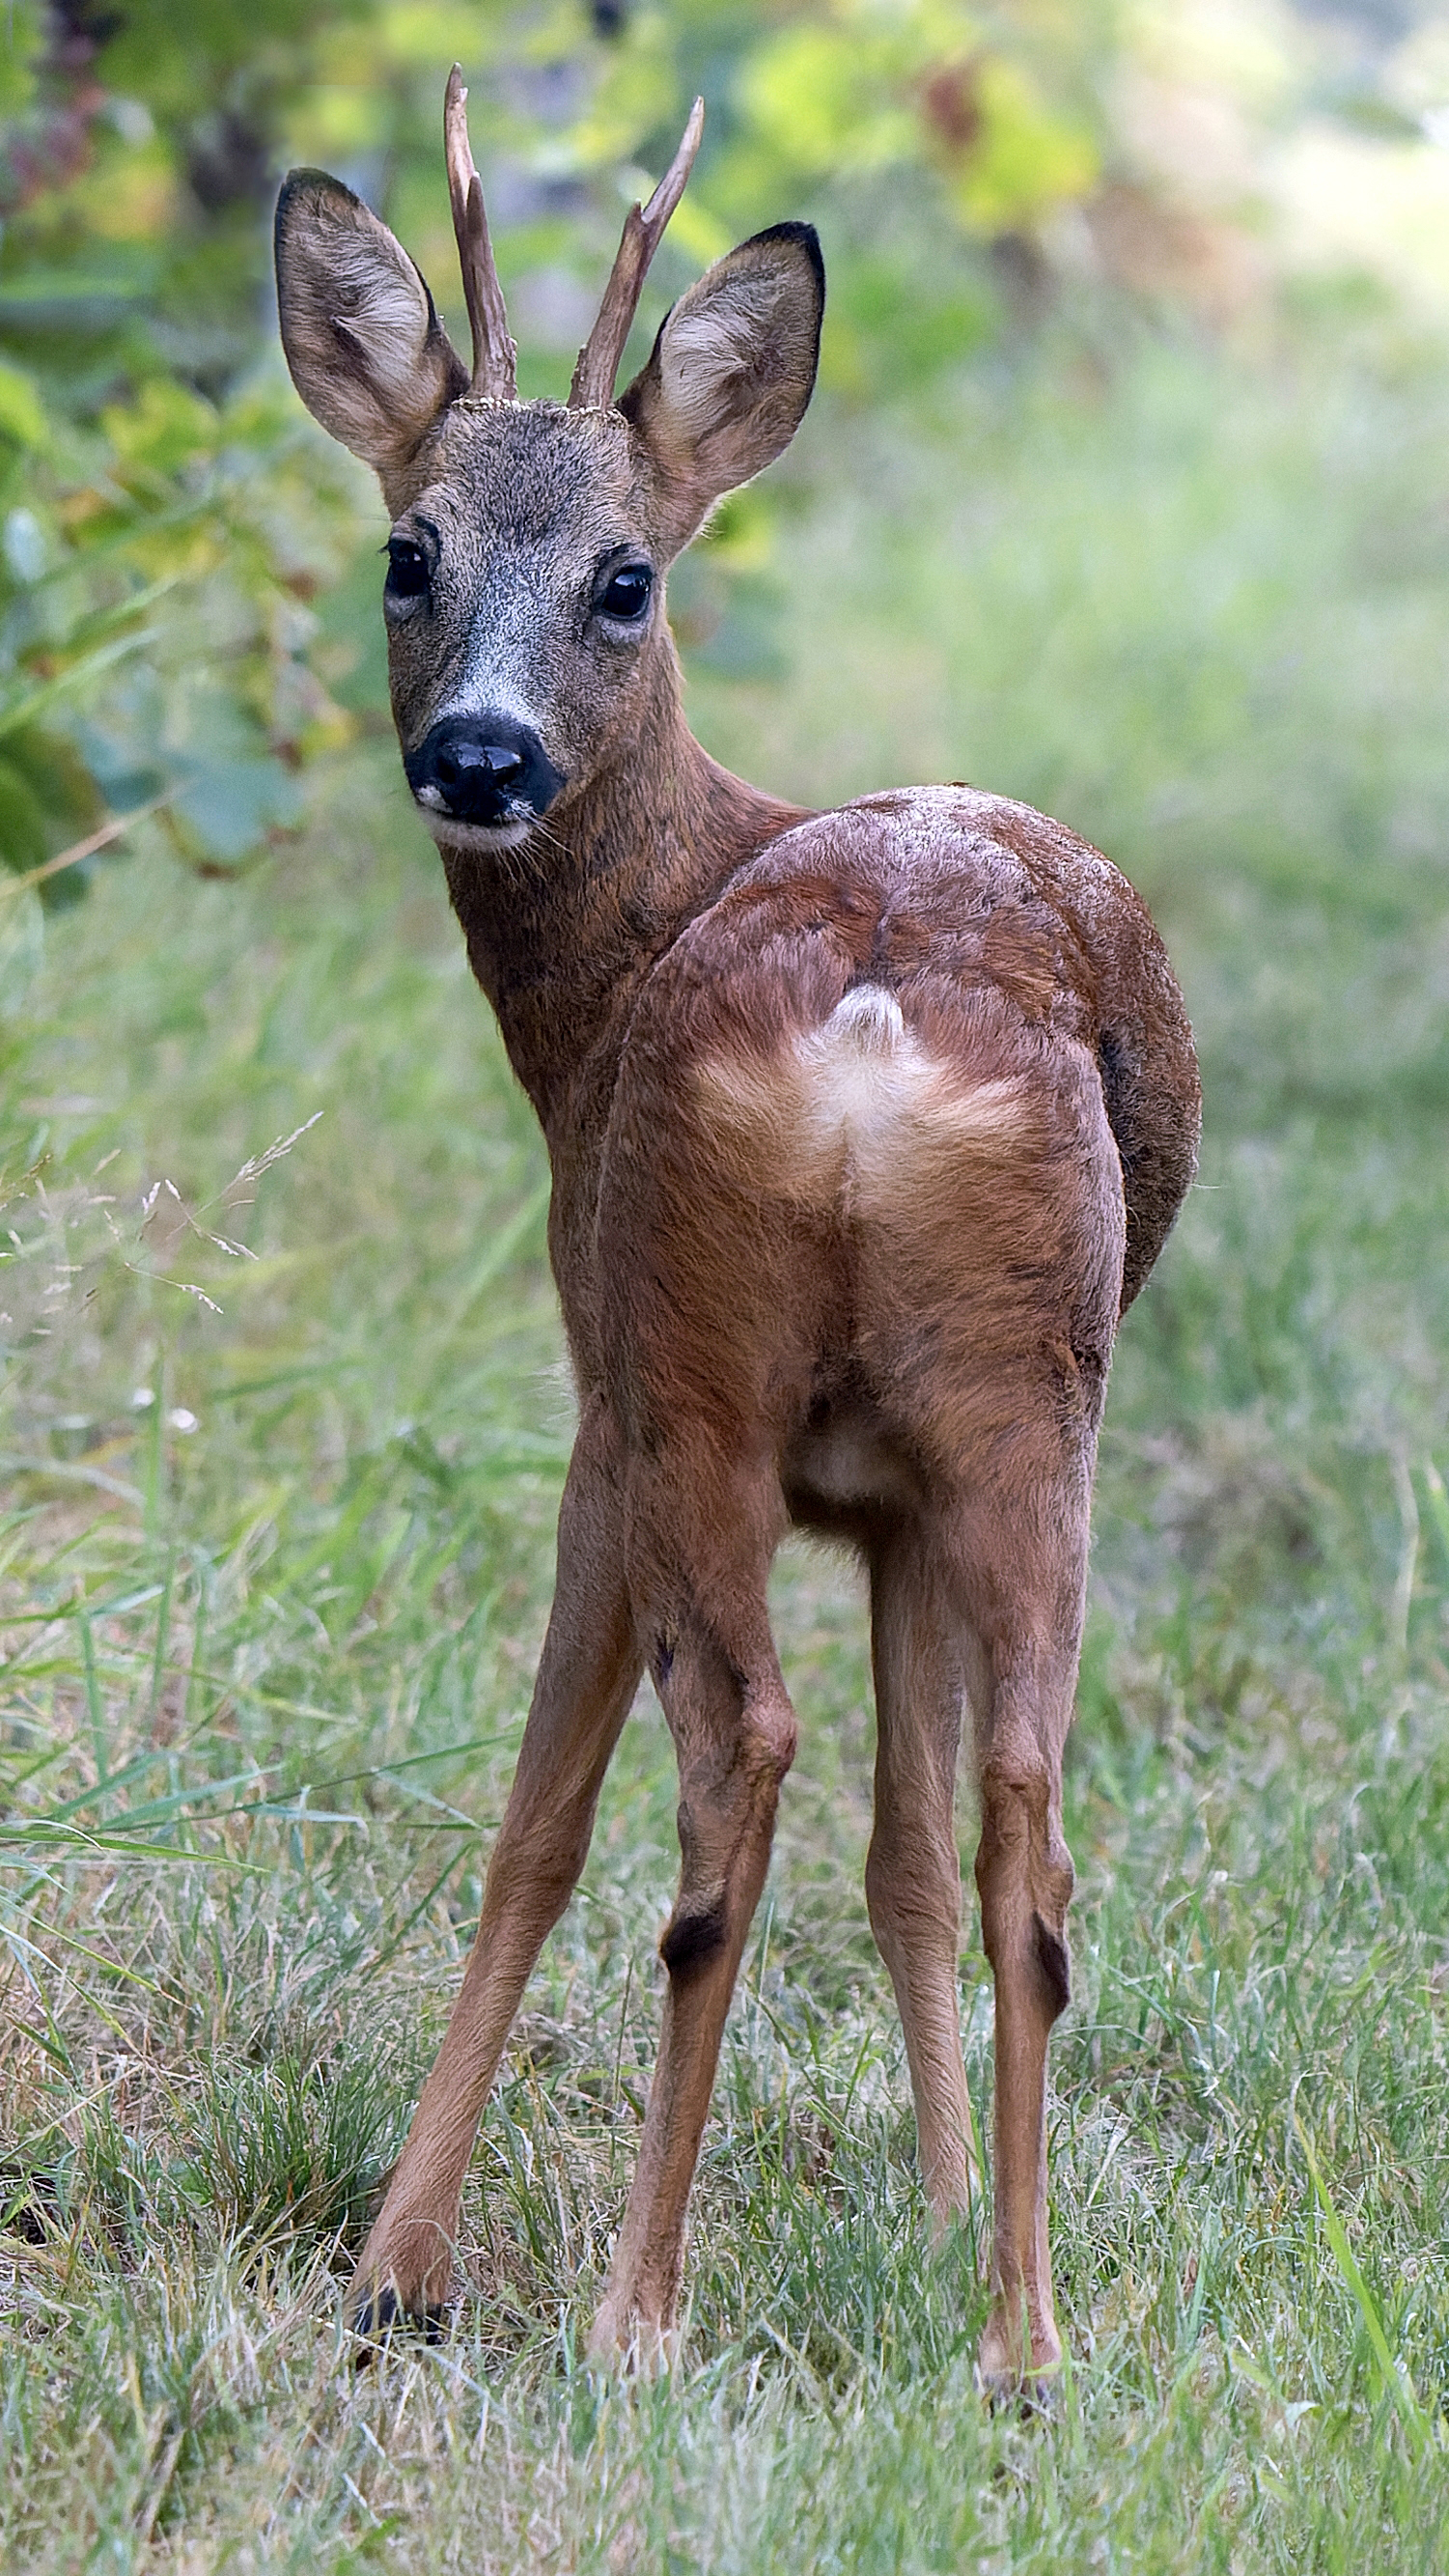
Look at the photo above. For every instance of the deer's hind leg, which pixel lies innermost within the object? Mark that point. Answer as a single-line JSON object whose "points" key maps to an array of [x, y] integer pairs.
{"points": [[1024, 1556], [704, 1528]]}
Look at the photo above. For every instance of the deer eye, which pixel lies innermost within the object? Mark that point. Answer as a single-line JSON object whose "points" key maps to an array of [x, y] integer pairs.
{"points": [[407, 569], [626, 593]]}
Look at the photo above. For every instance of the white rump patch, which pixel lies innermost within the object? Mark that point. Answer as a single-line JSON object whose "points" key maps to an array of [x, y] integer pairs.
{"points": [[859, 1111], [868, 1015]]}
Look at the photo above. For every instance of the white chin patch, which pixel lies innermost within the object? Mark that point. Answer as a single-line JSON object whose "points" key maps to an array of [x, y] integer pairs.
{"points": [[451, 834]]}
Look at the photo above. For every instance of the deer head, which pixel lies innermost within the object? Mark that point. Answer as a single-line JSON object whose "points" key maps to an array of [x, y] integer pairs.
{"points": [[524, 596]]}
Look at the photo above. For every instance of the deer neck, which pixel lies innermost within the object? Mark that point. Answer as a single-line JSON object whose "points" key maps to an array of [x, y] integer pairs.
{"points": [[562, 933]]}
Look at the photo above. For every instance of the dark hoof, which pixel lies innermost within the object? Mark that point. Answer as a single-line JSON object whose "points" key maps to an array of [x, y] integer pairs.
{"points": [[380, 2315], [1035, 2396], [1039, 2399]]}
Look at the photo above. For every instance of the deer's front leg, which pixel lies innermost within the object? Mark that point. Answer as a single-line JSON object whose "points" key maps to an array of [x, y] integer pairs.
{"points": [[587, 1678], [913, 1870], [734, 1732]]}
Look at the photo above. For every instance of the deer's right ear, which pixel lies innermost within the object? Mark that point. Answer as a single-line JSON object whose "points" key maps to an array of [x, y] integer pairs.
{"points": [[368, 355], [732, 371]]}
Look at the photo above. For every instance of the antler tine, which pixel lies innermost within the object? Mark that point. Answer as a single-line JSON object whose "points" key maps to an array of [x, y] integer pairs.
{"points": [[593, 383], [494, 353]]}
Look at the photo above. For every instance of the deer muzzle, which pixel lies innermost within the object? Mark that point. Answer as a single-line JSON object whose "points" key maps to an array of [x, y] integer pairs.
{"points": [[487, 769]]}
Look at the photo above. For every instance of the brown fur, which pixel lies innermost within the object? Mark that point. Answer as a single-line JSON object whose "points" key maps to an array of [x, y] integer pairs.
{"points": [[865, 1126]]}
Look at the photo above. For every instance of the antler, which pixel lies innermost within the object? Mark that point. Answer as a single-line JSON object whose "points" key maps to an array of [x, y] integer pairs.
{"points": [[494, 353], [599, 357]]}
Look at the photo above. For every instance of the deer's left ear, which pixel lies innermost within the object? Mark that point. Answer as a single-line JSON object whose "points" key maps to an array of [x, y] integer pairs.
{"points": [[367, 352], [731, 373]]}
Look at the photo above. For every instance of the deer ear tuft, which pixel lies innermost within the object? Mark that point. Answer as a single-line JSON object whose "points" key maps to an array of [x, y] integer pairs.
{"points": [[367, 352], [731, 372]]}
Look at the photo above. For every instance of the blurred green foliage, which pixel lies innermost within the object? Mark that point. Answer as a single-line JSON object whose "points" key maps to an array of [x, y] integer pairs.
{"points": [[166, 518], [187, 595]]}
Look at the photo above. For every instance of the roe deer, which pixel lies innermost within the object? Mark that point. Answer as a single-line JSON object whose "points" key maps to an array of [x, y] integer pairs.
{"points": [[864, 1127]]}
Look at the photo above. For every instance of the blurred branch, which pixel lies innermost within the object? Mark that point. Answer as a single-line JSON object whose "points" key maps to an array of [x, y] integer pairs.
{"points": [[85, 849]]}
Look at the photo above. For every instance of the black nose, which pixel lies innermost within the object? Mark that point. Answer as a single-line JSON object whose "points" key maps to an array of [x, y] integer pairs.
{"points": [[483, 769]]}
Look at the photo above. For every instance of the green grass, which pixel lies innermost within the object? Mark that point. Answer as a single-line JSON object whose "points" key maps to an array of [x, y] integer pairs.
{"points": [[265, 1675]]}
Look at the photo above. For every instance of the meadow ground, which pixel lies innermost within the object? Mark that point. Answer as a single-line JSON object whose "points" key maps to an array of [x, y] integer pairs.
{"points": [[274, 1577]]}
